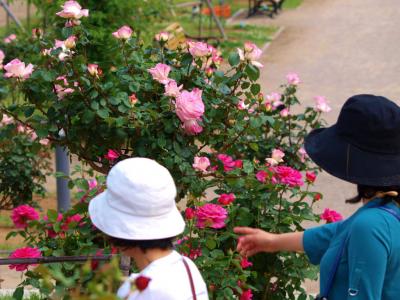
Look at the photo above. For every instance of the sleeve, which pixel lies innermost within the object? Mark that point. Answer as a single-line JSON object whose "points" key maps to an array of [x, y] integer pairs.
{"points": [[368, 252], [316, 241]]}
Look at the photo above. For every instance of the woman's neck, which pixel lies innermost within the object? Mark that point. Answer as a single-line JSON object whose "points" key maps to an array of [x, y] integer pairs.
{"points": [[144, 258]]}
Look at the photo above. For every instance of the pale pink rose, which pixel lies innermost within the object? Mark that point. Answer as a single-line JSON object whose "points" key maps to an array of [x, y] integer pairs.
{"points": [[242, 106], [44, 142], [287, 176], [226, 199], [10, 38], [211, 215], [22, 214], [70, 42], [58, 44], [276, 158], [172, 89], [6, 120], [32, 135], [201, 163], [25, 252], [17, 69], [251, 53], [112, 155], [245, 263], [331, 216], [93, 69], [302, 154], [268, 106], [199, 49], [275, 99], [189, 105], [321, 104], [162, 36], [21, 128], [2, 56], [124, 33], [293, 78], [284, 112], [192, 127], [160, 73], [72, 10]]}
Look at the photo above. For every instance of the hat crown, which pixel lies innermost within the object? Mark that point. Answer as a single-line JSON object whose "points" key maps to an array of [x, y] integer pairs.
{"points": [[371, 123], [141, 187]]}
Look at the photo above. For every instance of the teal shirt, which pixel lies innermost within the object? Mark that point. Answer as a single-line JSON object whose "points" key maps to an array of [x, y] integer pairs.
{"points": [[370, 266]]}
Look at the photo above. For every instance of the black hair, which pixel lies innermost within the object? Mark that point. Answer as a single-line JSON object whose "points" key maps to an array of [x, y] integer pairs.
{"points": [[367, 192], [143, 245]]}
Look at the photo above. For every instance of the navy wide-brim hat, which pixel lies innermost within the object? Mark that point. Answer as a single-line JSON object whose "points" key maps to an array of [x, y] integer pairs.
{"points": [[363, 147]]}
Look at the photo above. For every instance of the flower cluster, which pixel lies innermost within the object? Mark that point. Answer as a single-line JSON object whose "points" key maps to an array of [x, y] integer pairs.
{"points": [[229, 163]]}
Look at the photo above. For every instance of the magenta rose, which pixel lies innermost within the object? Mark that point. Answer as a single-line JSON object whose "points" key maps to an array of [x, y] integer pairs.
{"points": [[211, 215], [286, 175], [189, 105], [22, 214], [331, 216], [226, 199], [26, 252]]}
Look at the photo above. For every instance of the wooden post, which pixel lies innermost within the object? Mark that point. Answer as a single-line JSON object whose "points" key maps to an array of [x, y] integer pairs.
{"points": [[216, 20]]}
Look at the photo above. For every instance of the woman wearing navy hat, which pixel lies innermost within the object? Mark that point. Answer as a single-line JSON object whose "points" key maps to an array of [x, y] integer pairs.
{"points": [[359, 257]]}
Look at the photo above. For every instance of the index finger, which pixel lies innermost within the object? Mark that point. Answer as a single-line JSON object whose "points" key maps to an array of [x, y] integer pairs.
{"points": [[244, 230]]}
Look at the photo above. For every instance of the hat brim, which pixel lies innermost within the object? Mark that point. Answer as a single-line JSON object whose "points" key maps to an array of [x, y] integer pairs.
{"points": [[119, 224], [336, 156]]}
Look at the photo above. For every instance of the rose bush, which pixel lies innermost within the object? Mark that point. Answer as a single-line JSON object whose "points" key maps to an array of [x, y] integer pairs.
{"points": [[235, 154]]}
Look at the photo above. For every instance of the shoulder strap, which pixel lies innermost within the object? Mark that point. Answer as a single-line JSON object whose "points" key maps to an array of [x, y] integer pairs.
{"points": [[335, 266], [190, 278]]}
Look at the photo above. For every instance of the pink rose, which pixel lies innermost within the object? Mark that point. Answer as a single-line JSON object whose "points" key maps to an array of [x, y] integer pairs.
{"points": [[331, 216], [246, 295], [190, 213], [276, 158], [111, 155], [17, 69], [211, 215], [162, 36], [310, 177], [286, 175], [284, 113], [262, 176], [26, 252], [2, 56], [22, 214], [160, 73], [275, 99], [124, 33], [189, 105], [242, 106], [302, 154], [192, 127], [92, 183], [6, 120], [321, 104], [44, 142], [251, 53], [226, 199], [70, 42], [10, 38], [244, 263], [133, 99], [199, 49], [93, 69], [293, 78], [201, 163], [172, 89], [74, 218], [229, 163], [72, 10]]}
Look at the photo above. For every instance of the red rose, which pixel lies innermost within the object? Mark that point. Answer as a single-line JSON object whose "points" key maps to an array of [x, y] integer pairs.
{"points": [[310, 177], [317, 197], [142, 282], [190, 213]]}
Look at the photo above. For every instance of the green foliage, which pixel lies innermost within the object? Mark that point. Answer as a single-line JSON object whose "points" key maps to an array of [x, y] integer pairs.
{"points": [[24, 164]]}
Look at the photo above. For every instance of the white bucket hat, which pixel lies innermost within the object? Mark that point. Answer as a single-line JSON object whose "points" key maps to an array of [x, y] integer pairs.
{"points": [[139, 203]]}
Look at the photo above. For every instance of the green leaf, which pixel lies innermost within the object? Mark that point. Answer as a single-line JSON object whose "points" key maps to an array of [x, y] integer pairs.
{"points": [[52, 215], [255, 89], [211, 244], [103, 113], [234, 59], [18, 293], [252, 72], [29, 111]]}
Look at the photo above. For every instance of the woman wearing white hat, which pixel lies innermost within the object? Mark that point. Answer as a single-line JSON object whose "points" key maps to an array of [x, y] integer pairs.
{"points": [[139, 214]]}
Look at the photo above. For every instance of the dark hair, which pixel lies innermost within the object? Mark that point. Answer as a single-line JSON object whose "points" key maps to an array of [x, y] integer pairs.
{"points": [[366, 192], [143, 245]]}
